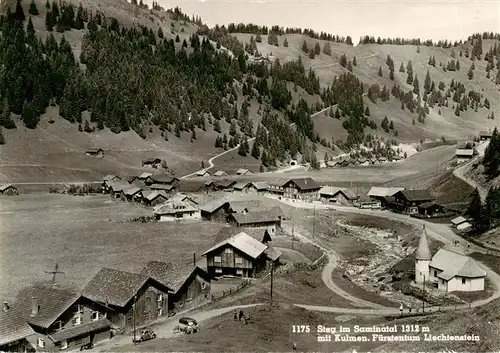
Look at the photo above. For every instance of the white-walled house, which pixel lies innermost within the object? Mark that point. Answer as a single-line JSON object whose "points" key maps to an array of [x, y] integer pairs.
{"points": [[450, 268], [179, 211]]}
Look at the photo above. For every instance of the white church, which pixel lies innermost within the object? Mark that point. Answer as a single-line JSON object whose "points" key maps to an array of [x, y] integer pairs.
{"points": [[450, 268]]}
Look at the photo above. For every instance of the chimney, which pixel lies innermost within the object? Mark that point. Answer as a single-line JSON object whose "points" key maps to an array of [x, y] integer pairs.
{"points": [[6, 307], [34, 306]]}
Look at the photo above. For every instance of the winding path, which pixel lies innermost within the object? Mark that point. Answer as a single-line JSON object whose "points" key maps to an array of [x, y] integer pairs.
{"points": [[460, 171]]}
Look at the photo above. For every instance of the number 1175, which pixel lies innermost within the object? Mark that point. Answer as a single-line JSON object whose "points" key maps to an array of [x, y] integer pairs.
{"points": [[301, 329]]}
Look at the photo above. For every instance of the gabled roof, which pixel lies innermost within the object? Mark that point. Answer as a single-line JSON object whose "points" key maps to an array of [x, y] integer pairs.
{"points": [[110, 177], [240, 185], [180, 197], [162, 178], [260, 185], [304, 184], [332, 191], [453, 262], [79, 330], [172, 275], [52, 302], [225, 183], [220, 173], [162, 187], [417, 195], [155, 194], [114, 287], [423, 251], [132, 191], [13, 324], [6, 186], [240, 206], [145, 175], [427, 205], [213, 205], [382, 192], [272, 254], [486, 133], [172, 208], [243, 171], [244, 243], [131, 178], [228, 232], [94, 150], [263, 216], [202, 172], [118, 186], [151, 160]]}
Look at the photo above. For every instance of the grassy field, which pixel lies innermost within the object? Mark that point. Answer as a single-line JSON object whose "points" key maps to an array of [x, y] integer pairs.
{"points": [[83, 234]]}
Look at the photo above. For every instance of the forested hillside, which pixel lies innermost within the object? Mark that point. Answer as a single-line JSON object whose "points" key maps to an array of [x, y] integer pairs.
{"points": [[173, 75]]}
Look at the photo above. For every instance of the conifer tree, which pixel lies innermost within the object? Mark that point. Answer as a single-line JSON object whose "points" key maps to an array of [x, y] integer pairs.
{"points": [[427, 82], [317, 48], [402, 68], [242, 151], [33, 10], [177, 39], [391, 75], [475, 206], [470, 74], [416, 86], [193, 134], [30, 32], [5, 119], [184, 43], [19, 14], [47, 5], [49, 25], [255, 151], [380, 71], [354, 62], [160, 32], [349, 66], [2, 139], [367, 111], [305, 49], [409, 71], [327, 49], [457, 110], [285, 43]]}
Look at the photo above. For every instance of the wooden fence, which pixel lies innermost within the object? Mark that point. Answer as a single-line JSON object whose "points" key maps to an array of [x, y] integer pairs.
{"points": [[217, 296]]}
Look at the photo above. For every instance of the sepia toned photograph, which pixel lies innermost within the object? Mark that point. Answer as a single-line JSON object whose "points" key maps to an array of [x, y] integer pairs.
{"points": [[250, 176]]}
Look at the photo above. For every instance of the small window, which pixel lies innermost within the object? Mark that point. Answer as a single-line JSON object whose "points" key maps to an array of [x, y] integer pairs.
{"points": [[203, 285], [463, 280], [40, 343], [146, 316], [64, 344], [95, 315], [239, 272], [217, 259], [129, 321], [159, 312], [228, 251], [79, 309], [159, 298], [239, 260], [435, 273], [218, 270], [77, 320]]}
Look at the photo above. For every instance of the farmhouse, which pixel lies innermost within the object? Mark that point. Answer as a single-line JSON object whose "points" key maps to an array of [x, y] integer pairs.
{"points": [[145, 175], [457, 221], [14, 329], [95, 152], [119, 291], [337, 195], [131, 179], [115, 189], [463, 155], [243, 171], [111, 177], [155, 198], [61, 319], [151, 162], [244, 206], [383, 196], [8, 189], [215, 210], [177, 211], [190, 285], [364, 201], [161, 179], [452, 270], [302, 189], [269, 219], [464, 226], [240, 255], [133, 194], [162, 187], [220, 173], [241, 187], [485, 135], [331, 164], [223, 185], [262, 235], [203, 173], [409, 200], [430, 209], [276, 189]]}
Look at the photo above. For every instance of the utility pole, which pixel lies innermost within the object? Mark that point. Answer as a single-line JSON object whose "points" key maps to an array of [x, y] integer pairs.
{"points": [[423, 296], [133, 313], [293, 232], [272, 275], [314, 220], [194, 259]]}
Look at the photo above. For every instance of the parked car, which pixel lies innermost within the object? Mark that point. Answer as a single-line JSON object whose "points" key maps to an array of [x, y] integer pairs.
{"points": [[145, 335], [187, 325], [86, 346]]}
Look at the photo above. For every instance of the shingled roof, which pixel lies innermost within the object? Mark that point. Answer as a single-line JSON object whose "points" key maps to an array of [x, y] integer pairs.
{"points": [[304, 184], [244, 243], [250, 205], [453, 262], [171, 275], [417, 195], [114, 287], [162, 178], [263, 216], [13, 324], [423, 251]]}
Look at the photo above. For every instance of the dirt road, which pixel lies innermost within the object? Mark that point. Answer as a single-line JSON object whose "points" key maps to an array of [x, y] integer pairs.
{"points": [[460, 171]]}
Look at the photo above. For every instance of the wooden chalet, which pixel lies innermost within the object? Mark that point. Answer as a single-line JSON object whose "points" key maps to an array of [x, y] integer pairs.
{"points": [[116, 189], [215, 210], [268, 219], [485, 135], [95, 152], [155, 198], [241, 187], [244, 206], [243, 171], [161, 187], [144, 176], [222, 185], [111, 177], [203, 173], [190, 284], [431, 209], [15, 332], [301, 188], [8, 189], [331, 194], [177, 211], [383, 196], [463, 155], [258, 187], [220, 173], [60, 319], [240, 255], [161, 179], [120, 291], [151, 162], [409, 200], [132, 194]]}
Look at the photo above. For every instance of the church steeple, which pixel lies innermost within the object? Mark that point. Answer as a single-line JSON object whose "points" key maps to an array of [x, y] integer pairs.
{"points": [[423, 250]]}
